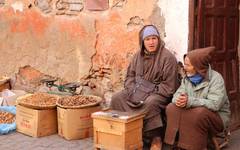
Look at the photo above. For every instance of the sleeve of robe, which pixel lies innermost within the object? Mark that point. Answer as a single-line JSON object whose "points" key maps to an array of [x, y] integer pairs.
{"points": [[169, 82], [179, 91]]}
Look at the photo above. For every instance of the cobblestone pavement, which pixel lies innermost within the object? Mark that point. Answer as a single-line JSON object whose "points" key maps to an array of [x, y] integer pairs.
{"points": [[18, 141]]}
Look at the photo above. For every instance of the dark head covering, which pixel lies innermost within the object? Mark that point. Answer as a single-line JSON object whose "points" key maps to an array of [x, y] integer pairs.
{"points": [[145, 32], [200, 59]]}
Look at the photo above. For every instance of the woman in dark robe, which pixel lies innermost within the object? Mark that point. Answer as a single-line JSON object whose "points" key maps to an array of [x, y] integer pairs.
{"points": [[150, 83]]}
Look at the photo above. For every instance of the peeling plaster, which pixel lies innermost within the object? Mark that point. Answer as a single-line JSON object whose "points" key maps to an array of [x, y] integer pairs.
{"points": [[69, 7], [119, 3], [44, 5], [176, 25], [158, 19], [135, 22], [17, 6], [95, 46]]}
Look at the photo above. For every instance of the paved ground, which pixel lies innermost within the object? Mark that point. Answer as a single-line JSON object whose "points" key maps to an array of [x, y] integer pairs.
{"points": [[234, 143], [18, 141]]}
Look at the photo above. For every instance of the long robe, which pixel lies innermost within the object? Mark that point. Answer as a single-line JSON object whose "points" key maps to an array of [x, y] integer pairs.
{"points": [[207, 110], [159, 68]]}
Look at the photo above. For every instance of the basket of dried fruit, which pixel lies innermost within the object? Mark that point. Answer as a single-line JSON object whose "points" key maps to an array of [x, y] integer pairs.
{"points": [[38, 101], [78, 101], [6, 117]]}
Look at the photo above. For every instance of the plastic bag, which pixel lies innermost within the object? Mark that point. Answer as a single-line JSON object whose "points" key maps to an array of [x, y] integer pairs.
{"points": [[7, 128], [8, 97]]}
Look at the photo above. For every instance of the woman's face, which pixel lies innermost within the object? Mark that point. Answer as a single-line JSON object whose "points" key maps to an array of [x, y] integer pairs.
{"points": [[188, 67], [151, 43]]}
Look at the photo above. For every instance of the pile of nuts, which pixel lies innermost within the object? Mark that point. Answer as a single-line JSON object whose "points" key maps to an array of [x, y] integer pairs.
{"points": [[39, 99], [78, 100], [6, 117]]}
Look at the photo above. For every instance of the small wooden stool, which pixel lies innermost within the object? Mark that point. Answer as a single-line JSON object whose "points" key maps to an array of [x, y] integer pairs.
{"points": [[114, 130], [221, 140]]}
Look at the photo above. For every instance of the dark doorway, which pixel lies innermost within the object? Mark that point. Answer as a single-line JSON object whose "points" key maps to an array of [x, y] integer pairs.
{"points": [[216, 23]]}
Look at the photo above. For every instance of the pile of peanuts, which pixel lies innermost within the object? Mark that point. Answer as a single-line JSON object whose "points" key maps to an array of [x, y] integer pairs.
{"points": [[77, 100], [6, 117]]}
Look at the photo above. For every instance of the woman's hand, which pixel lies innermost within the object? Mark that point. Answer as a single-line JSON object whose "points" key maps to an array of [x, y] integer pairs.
{"points": [[182, 100]]}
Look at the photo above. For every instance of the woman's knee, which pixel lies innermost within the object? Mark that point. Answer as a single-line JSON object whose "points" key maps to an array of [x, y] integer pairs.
{"points": [[152, 104], [200, 115], [171, 108]]}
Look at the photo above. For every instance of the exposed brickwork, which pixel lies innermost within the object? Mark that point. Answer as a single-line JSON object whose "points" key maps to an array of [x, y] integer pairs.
{"points": [[43, 5], [69, 7], [119, 3], [80, 44]]}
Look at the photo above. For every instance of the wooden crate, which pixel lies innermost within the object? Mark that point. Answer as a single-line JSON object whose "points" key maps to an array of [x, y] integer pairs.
{"points": [[117, 131]]}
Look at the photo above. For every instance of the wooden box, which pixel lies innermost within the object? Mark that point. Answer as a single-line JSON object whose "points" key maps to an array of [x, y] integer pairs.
{"points": [[117, 130]]}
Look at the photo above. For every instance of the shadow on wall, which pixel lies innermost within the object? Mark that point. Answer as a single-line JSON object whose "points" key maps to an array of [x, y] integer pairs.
{"points": [[159, 21]]}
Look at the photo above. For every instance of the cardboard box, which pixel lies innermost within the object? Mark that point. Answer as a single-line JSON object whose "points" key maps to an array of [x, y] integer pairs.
{"points": [[117, 130], [76, 123], [36, 123]]}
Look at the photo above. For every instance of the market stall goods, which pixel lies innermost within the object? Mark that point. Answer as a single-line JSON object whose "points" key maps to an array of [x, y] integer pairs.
{"points": [[38, 101], [6, 117], [78, 101]]}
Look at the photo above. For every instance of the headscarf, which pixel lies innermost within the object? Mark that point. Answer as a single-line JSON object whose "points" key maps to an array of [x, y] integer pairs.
{"points": [[145, 32], [200, 59], [149, 30]]}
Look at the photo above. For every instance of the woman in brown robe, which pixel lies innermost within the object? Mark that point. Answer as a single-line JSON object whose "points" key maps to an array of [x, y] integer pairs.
{"points": [[149, 85], [200, 107]]}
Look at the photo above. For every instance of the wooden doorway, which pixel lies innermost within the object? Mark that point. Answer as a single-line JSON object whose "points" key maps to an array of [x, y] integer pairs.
{"points": [[216, 23]]}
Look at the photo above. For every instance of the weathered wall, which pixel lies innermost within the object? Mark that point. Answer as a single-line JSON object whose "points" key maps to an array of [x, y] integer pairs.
{"points": [[176, 14], [58, 45], [67, 39]]}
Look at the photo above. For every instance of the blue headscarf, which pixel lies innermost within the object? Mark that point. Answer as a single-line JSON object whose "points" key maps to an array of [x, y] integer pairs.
{"points": [[149, 30]]}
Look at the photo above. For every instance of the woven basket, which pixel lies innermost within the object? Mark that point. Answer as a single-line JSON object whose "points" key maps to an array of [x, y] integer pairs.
{"points": [[97, 98], [20, 101]]}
